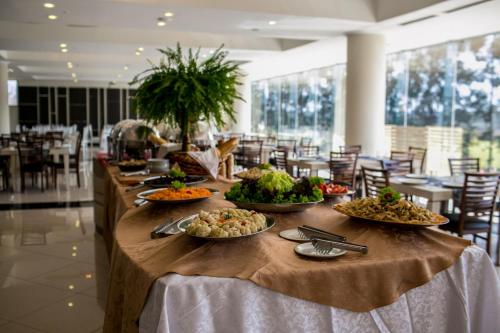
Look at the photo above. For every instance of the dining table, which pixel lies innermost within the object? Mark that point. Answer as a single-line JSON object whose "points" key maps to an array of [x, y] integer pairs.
{"points": [[411, 279], [57, 152]]}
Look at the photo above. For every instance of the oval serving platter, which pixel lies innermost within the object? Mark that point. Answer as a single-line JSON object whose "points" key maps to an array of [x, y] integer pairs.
{"points": [[144, 196]]}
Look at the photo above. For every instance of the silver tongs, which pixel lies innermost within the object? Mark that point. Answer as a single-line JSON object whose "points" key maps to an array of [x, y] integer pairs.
{"points": [[165, 229], [309, 232], [324, 246]]}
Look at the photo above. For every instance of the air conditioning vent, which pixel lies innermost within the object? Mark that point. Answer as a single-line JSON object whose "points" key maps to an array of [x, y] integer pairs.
{"points": [[466, 6], [418, 20]]}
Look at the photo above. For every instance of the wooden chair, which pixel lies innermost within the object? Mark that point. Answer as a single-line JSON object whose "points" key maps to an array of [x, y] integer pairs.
{"points": [[31, 160], [401, 155], [350, 149], [74, 162], [477, 206], [288, 145], [343, 168], [397, 167], [308, 151], [375, 180], [419, 155], [304, 141], [249, 153], [459, 166], [281, 158]]}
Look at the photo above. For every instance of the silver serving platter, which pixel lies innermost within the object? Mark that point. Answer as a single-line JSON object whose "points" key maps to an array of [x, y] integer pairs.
{"points": [[336, 195], [183, 224], [144, 196], [276, 208]]}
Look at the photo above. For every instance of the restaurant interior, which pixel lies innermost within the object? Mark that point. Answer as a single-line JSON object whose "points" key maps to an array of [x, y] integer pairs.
{"points": [[249, 166]]}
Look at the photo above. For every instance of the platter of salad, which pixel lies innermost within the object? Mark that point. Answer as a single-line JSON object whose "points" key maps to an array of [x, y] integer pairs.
{"points": [[335, 190], [276, 192]]}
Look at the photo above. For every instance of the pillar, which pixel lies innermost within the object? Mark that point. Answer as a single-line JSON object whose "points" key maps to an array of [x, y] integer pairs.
{"points": [[365, 95], [4, 98], [243, 110]]}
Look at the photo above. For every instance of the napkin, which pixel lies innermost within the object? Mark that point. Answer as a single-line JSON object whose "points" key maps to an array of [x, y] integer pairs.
{"points": [[208, 159]]}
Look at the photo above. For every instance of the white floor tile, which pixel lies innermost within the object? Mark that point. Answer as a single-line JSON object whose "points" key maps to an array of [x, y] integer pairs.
{"points": [[73, 278], [77, 313], [27, 265], [17, 328]]}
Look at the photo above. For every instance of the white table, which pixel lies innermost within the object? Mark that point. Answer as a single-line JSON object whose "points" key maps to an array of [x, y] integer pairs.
{"points": [[435, 195], [463, 298], [56, 152], [311, 164]]}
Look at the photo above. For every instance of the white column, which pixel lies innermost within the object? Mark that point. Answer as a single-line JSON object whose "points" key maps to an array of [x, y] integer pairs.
{"points": [[365, 95], [4, 98], [243, 110]]}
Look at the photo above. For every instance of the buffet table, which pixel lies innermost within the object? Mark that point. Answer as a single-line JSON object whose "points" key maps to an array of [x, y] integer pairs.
{"points": [[411, 279]]}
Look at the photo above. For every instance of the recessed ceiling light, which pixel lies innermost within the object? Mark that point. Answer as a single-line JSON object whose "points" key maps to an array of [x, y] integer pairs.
{"points": [[169, 14], [119, 76], [161, 22], [73, 75], [140, 49], [137, 53], [63, 45], [70, 65], [49, 5], [125, 68], [52, 17], [64, 50], [272, 22], [75, 80], [212, 51]]}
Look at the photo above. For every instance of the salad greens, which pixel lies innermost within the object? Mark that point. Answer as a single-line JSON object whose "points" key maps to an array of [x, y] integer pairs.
{"points": [[176, 172], [388, 195], [177, 185], [276, 187]]}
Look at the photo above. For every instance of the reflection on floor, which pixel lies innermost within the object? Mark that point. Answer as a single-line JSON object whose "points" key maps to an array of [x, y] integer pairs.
{"points": [[53, 271]]}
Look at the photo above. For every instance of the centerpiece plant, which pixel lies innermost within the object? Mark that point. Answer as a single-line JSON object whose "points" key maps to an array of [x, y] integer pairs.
{"points": [[186, 88]]}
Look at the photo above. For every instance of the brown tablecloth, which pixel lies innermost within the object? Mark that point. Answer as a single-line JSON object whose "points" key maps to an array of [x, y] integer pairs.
{"points": [[398, 260]]}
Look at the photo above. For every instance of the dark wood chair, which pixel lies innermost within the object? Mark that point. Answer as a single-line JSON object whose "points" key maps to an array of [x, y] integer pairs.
{"points": [[74, 162], [32, 160], [375, 180], [343, 168], [459, 166], [419, 155], [308, 151], [350, 149], [249, 153], [397, 167], [401, 155], [477, 206], [281, 159], [289, 145]]}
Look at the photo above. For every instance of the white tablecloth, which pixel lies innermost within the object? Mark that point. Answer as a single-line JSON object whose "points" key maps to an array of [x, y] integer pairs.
{"points": [[464, 298]]}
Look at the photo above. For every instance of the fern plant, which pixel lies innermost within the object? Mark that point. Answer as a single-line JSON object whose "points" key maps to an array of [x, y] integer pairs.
{"points": [[183, 90]]}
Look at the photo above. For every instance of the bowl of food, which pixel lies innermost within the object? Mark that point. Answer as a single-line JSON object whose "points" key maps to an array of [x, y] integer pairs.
{"points": [[225, 224], [158, 165], [177, 194], [390, 209], [276, 192], [132, 165], [255, 172]]}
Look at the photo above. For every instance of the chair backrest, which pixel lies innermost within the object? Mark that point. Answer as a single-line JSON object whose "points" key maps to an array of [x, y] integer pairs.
{"points": [[479, 195], [289, 144], [270, 139], [308, 151], [350, 149], [78, 147], [397, 167], [30, 153], [280, 156], [375, 180], [401, 155], [304, 141], [459, 166], [419, 155], [249, 153], [343, 168]]}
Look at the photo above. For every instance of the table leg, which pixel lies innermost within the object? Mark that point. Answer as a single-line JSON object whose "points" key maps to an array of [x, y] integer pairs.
{"points": [[434, 206], [314, 172], [66, 169], [14, 172]]}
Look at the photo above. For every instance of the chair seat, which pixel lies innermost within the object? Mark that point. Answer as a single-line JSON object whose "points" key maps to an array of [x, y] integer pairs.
{"points": [[472, 224]]}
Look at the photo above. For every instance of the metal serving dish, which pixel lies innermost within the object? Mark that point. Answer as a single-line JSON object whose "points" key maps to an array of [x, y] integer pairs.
{"points": [[183, 224], [144, 196], [276, 208]]}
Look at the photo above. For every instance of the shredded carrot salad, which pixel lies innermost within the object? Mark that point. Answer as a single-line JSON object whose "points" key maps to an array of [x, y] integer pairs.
{"points": [[183, 193]]}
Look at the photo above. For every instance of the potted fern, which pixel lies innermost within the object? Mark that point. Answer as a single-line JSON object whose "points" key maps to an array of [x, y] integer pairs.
{"points": [[184, 89]]}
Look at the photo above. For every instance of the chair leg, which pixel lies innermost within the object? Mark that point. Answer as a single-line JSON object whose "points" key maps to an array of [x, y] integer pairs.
{"points": [[488, 241], [78, 177]]}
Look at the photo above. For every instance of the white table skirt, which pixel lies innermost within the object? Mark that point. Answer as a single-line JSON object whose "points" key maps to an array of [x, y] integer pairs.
{"points": [[464, 298]]}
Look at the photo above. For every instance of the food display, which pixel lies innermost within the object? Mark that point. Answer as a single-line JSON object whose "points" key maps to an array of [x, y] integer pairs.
{"points": [[333, 189], [131, 165], [388, 207], [178, 194], [175, 174], [255, 172], [226, 222]]}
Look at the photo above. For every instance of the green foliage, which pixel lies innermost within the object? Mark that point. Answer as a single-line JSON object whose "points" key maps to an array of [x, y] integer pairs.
{"points": [[388, 196], [277, 181], [176, 172], [265, 166], [183, 90], [177, 185]]}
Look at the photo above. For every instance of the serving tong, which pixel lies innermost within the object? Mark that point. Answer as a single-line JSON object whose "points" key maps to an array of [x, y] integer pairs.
{"points": [[165, 229], [324, 241]]}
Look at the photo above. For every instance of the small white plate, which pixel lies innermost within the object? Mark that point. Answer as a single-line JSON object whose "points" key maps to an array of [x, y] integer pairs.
{"points": [[293, 235], [416, 176], [411, 181], [307, 249]]}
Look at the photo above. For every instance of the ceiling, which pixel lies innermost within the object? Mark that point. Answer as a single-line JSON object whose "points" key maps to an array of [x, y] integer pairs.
{"points": [[103, 36]]}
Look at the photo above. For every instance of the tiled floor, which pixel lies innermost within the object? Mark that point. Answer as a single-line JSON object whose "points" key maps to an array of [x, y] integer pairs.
{"points": [[53, 271]]}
